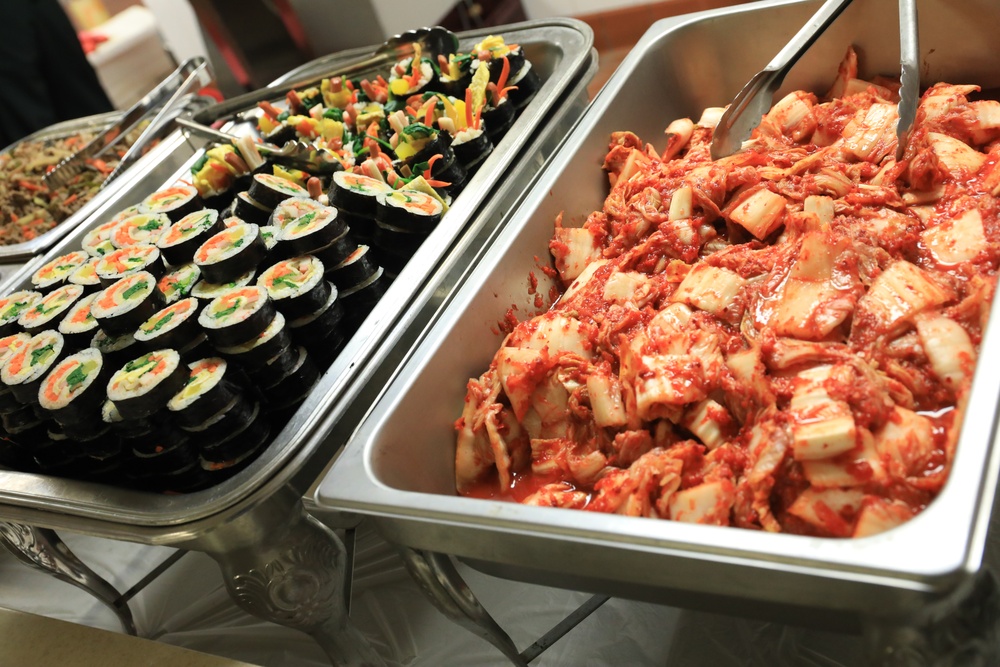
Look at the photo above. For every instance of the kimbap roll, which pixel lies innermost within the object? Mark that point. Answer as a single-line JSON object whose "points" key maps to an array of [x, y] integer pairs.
{"points": [[128, 260], [270, 190], [235, 451], [129, 429], [206, 291], [360, 299], [356, 193], [524, 86], [338, 250], [409, 210], [292, 208], [175, 202], [146, 384], [164, 451], [356, 269], [303, 374], [23, 371], [498, 119], [144, 228], [79, 325], [249, 209], [47, 311], [232, 417], [471, 147], [86, 276], [237, 316], [174, 326], [207, 392], [73, 391], [180, 241], [180, 282], [257, 352], [296, 285], [56, 272], [13, 306], [116, 349], [230, 253], [121, 308], [310, 232], [319, 325], [97, 242]]}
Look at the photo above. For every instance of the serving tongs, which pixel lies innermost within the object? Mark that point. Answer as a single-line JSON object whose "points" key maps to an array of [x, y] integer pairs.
{"points": [[433, 41], [128, 121], [755, 100], [293, 152]]}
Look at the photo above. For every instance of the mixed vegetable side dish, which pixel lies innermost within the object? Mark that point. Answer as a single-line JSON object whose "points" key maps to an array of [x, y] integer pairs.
{"points": [[782, 339]]}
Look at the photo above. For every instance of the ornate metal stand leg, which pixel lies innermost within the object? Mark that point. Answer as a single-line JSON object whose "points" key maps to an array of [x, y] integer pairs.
{"points": [[41, 548], [442, 584], [283, 566], [954, 633]]}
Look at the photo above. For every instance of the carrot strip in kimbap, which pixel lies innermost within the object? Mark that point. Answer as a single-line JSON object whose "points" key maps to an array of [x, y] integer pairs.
{"points": [[123, 306], [47, 311], [73, 391], [257, 352], [237, 316], [126, 261], [296, 285], [13, 306], [271, 190], [230, 253], [292, 208], [249, 209], [174, 326], [145, 228], [180, 241], [179, 283], [312, 231], [79, 325], [86, 276], [175, 202], [208, 391], [146, 384], [55, 272], [23, 371]]}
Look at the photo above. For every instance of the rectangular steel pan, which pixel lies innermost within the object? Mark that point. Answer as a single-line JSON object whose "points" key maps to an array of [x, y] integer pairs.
{"points": [[561, 49], [399, 468]]}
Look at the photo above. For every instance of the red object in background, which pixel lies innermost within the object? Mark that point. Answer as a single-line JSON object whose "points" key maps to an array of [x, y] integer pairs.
{"points": [[90, 40]]}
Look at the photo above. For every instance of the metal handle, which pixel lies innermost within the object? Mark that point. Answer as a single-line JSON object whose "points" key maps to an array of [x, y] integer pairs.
{"points": [[909, 77]]}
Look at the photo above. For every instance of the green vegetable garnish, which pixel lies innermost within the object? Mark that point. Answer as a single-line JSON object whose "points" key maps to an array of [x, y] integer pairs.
{"points": [[134, 289]]}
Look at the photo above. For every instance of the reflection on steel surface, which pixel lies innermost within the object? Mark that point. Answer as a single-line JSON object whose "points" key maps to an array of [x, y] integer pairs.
{"points": [[42, 549]]}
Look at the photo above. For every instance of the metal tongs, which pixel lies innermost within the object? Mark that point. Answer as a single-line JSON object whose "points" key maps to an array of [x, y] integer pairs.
{"points": [[756, 98], [294, 152], [128, 121]]}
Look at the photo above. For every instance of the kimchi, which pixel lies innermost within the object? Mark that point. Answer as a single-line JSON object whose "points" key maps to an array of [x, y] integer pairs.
{"points": [[782, 339]]}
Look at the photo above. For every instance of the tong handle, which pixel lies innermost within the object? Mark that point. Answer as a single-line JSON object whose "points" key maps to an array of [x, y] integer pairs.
{"points": [[909, 73]]}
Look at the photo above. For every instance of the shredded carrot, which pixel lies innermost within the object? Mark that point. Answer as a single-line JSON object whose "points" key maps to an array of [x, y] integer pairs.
{"points": [[430, 164], [429, 114], [437, 184], [269, 109], [504, 73], [69, 200], [479, 113], [28, 185]]}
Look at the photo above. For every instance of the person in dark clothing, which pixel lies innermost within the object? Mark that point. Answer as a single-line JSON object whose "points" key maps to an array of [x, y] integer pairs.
{"points": [[45, 76]]}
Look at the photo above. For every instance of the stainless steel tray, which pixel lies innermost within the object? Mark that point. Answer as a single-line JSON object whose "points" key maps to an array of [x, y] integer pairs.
{"points": [[563, 53], [399, 467]]}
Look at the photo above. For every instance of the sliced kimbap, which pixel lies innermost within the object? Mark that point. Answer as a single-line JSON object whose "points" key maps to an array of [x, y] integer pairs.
{"points": [[292, 208], [56, 272], [73, 391], [338, 250], [116, 349], [13, 306], [86, 276], [233, 417], [175, 202], [409, 210], [121, 308], [237, 316], [79, 325], [144, 228], [164, 451], [356, 269], [271, 190], [47, 311], [23, 371], [126, 261], [130, 429], [360, 299], [208, 391], [312, 231], [240, 446], [269, 344], [146, 384], [197, 348], [180, 241], [97, 242], [321, 324], [304, 373], [524, 86], [356, 193], [410, 76], [249, 209], [230, 253], [471, 147], [296, 285], [206, 291], [180, 282], [498, 119], [174, 326]]}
